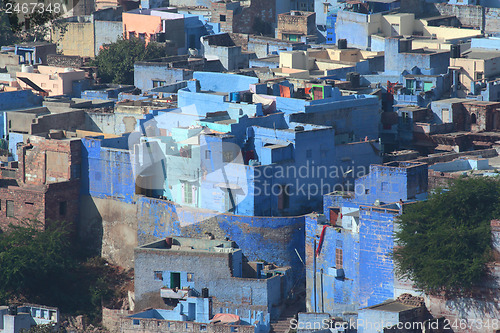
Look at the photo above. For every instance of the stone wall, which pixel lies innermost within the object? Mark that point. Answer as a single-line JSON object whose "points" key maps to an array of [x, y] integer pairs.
{"points": [[60, 60]]}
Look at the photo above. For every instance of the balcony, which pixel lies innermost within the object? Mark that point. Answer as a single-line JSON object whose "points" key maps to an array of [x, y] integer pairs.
{"points": [[175, 293]]}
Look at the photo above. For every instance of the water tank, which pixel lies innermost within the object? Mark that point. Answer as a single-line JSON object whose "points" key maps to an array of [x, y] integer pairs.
{"points": [[354, 78], [193, 52], [455, 51], [246, 97], [235, 97], [204, 292], [26, 68], [342, 44]]}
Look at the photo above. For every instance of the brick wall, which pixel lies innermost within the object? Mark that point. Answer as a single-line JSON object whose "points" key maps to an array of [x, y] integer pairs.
{"points": [[47, 185], [295, 24], [111, 318], [242, 20], [44, 161], [223, 16]]}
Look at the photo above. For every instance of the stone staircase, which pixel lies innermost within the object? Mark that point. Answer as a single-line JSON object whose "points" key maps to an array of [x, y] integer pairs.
{"points": [[282, 324]]}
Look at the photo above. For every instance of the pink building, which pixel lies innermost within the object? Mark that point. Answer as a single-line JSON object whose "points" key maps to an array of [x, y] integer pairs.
{"points": [[53, 80]]}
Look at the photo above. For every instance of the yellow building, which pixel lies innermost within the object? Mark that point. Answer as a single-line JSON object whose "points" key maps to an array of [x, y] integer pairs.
{"points": [[475, 65]]}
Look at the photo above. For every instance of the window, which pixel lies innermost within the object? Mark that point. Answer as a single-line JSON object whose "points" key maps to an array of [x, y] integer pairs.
{"points": [[446, 116], [309, 153], [479, 76], [222, 18], [190, 277], [62, 208], [158, 276], [323, 153], [228, 156], [158, 83], [136, 322], [406, 117], [9, 208], [339, 260], [473, 118], [428, 86], [188, 193], [384, 186], [208, 154], [203, 327], [367, 191], [97, 176], [410, 86]]}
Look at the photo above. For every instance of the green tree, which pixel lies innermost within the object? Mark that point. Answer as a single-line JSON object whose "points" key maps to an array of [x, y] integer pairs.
{"points": [[444, 243], [31, 257], [44, 266], [7, 36], [115, 62]]}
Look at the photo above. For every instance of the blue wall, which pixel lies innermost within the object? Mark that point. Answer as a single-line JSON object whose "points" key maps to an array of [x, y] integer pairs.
{"points": [[107, 169], [12, 100], [224, 82], [273, 239]]}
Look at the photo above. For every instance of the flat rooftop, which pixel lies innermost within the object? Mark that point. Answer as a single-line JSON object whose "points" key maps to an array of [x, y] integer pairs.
{"points": [[481, 54], [185, 244], [392, 306]]}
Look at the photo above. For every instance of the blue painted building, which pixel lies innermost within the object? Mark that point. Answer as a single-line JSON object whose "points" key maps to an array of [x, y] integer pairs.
{"points": [[331, 37], [348, 263], [236, 153], [19, 99], [236, 160]]}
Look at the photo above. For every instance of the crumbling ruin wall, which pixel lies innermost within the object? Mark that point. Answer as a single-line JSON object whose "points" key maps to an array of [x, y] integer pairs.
{"points": [[109, 227]]}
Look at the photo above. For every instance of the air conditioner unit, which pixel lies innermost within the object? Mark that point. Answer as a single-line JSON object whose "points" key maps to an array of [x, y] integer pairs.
{"points": [[337, 273]]}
